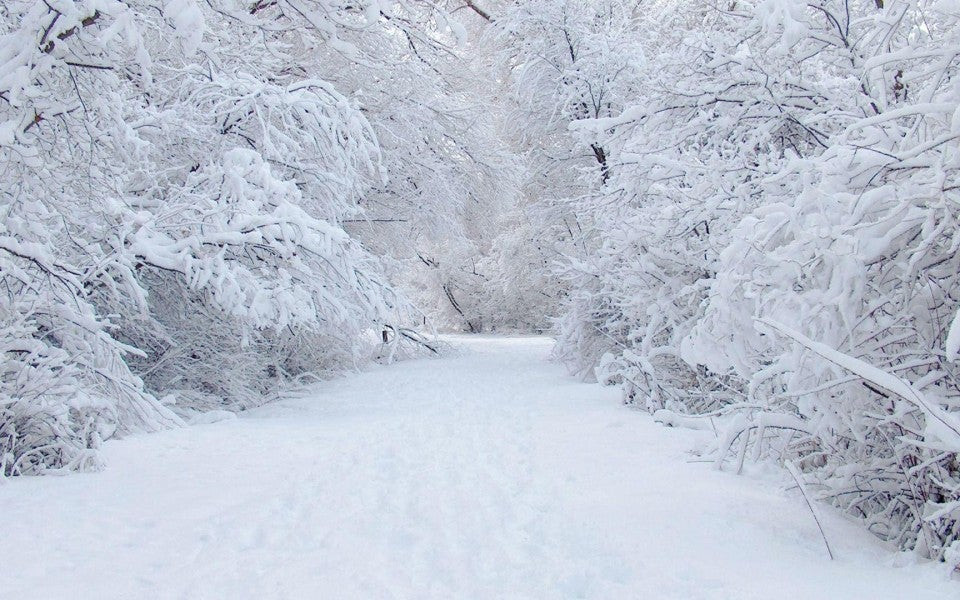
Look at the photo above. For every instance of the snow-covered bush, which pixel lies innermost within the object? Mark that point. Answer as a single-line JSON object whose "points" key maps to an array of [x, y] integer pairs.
{"points": [[176, 177], [716, 116], [241, 268], [851, 263], [775, 242], [65, 385]]}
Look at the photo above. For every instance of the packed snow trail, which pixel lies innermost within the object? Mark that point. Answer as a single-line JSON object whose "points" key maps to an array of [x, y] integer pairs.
{"points": [[489, 474]]}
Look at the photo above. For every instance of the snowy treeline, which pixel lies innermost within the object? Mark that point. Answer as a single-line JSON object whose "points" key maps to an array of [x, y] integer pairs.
{"points": [[178, 182], [764, 230]]}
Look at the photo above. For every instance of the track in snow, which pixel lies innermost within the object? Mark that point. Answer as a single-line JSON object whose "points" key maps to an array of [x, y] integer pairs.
{"points": [[490, 474]]}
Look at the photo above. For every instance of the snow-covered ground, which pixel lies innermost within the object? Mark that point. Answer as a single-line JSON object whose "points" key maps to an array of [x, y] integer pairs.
{"points": [[490, 474]]}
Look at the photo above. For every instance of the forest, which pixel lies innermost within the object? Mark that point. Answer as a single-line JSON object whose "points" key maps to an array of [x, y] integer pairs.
{"points": [[741, 214]]}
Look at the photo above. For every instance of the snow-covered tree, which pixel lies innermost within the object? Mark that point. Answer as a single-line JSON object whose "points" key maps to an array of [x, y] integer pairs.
{"points": [[563, 61], [834, 299], [774, 244], [176, 179]]}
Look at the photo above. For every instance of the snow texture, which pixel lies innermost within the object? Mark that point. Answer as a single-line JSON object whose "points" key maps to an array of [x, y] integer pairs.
{"points": [[488, 474]]}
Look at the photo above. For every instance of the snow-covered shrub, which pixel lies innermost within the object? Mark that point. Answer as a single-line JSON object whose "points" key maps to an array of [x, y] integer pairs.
{"points": [[856, 266], [65, 383], [175, 178], [240, 274], [776, 242], [717, 115]]}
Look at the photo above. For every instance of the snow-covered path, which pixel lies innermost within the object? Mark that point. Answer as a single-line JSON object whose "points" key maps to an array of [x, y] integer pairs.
{"points": [[486, 475]]}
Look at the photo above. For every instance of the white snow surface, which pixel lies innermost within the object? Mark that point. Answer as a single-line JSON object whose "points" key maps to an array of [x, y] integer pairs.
{"points": [[488, 474]]}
